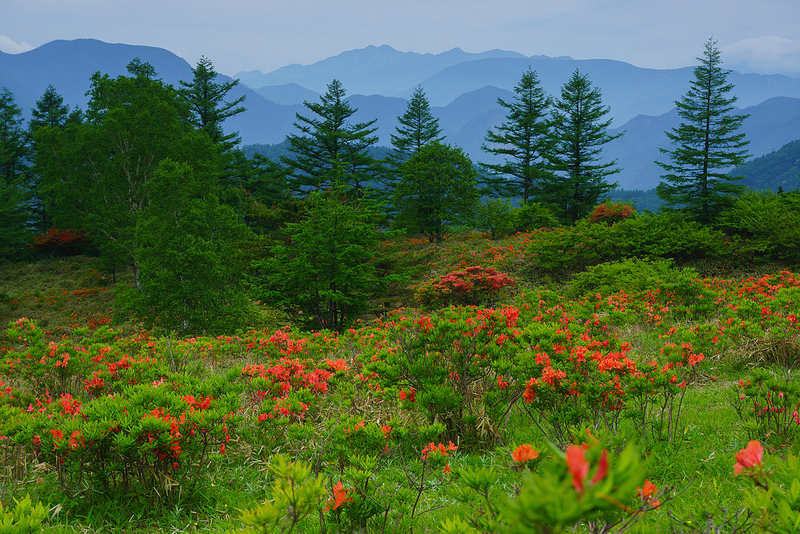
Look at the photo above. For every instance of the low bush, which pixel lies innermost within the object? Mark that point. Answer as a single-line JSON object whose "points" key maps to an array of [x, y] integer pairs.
{"points": [[469, 286]]}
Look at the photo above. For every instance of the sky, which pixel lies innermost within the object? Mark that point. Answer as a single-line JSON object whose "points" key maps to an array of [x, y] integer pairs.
{"points": [[242, 35]]}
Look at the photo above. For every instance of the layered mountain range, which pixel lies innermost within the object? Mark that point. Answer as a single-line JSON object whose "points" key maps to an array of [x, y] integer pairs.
{"points": [[462, 87]]}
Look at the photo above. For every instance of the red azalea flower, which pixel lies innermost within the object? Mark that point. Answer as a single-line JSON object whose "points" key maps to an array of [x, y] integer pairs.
{"points": [[524, 453], [748, 457]]}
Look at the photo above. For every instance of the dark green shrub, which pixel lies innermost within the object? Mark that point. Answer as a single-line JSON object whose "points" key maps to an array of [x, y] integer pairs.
{"points": [[495, 216], [663, 235], [767, 224], [532, 216]]}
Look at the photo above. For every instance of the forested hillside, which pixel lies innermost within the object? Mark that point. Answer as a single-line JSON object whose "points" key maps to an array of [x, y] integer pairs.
{"points": [[778, 169]]}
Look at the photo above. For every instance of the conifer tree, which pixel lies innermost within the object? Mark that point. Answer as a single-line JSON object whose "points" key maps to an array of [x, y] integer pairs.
{"points": [[14, 154], [206, 98], [329, 149], [579, 133], [707, 144], [524, 139], [49, 112], [417, 127]]}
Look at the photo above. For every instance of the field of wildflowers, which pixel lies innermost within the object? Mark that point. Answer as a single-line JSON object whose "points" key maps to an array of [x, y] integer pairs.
{"points": [[523, 405]]}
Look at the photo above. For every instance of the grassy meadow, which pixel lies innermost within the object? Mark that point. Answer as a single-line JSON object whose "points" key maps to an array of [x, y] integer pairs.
{"points": [[417, 418]]}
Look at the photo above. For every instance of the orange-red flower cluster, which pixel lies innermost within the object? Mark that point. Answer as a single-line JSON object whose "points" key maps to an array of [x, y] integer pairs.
{"points": [[748, 458]]}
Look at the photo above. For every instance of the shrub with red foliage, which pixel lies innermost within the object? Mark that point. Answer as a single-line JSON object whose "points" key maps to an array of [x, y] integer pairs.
{"points": [[611, 212], [61, 242], [472, 285]]}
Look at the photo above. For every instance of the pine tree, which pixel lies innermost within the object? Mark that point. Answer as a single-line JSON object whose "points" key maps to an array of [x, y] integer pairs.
{"points": [[206, 98], [417, 128], [49, 112], [707, 144], [329, 150], [579, 133], [14, 154], [524, 139]]}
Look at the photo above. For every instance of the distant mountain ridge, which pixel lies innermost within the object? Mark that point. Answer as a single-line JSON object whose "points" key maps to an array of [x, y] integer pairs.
{"points": [[371, 70], [462, 87]]}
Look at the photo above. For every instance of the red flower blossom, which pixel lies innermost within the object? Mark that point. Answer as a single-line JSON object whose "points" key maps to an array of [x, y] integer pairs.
{"points": [[749, 457], [524, 453], [578, 467], [647, 492], [339, 497]]}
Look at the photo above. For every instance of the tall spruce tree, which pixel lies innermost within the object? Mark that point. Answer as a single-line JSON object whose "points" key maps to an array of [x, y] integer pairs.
{"points": [[524, 139], [206, 98], [416, 128], [329, 149], [707, 144], [580, 178], [14, 193], [49, 112]]}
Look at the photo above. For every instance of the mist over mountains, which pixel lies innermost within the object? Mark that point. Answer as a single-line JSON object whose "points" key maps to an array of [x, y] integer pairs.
{"points": [[462, 87]]}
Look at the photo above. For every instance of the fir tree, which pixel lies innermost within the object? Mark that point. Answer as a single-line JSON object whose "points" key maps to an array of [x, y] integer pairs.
{"points": [[579, 133], [707, 144], [330, 150], [524, 139]]}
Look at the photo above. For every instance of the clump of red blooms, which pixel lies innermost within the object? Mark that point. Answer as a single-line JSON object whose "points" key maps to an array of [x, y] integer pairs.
{"points": [[524, 453], [748, 460], [340, 497]]}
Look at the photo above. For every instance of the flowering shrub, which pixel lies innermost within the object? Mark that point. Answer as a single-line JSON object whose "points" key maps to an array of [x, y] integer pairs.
{"points": [[610, 212], [769, 407], [61, 242], [471, 285]]}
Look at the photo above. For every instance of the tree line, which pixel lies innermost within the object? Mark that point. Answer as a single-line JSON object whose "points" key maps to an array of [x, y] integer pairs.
{"points": [[148, 172]]}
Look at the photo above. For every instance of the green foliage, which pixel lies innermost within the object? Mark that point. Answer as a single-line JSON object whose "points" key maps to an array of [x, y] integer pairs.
{"points": [[14, 186], [767, 224], [778, 170], [707, 143], [579, 133], [98, 170], [189, 280], [768, 406], [495, 216], [437, 191], [559, 498], [416, 128], [525, 139], [663, 235], [330, 151], [24, 517], [294, 495], [324, 270], [206, 99], [634, 275], [533, 216]]}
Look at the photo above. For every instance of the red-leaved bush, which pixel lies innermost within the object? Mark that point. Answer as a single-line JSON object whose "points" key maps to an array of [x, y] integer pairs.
{"points": [[610, 212], [472, 285], [61, 242]]}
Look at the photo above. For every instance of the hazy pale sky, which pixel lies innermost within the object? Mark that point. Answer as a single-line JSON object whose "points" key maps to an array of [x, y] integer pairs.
{"points": [[239, 35]]}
